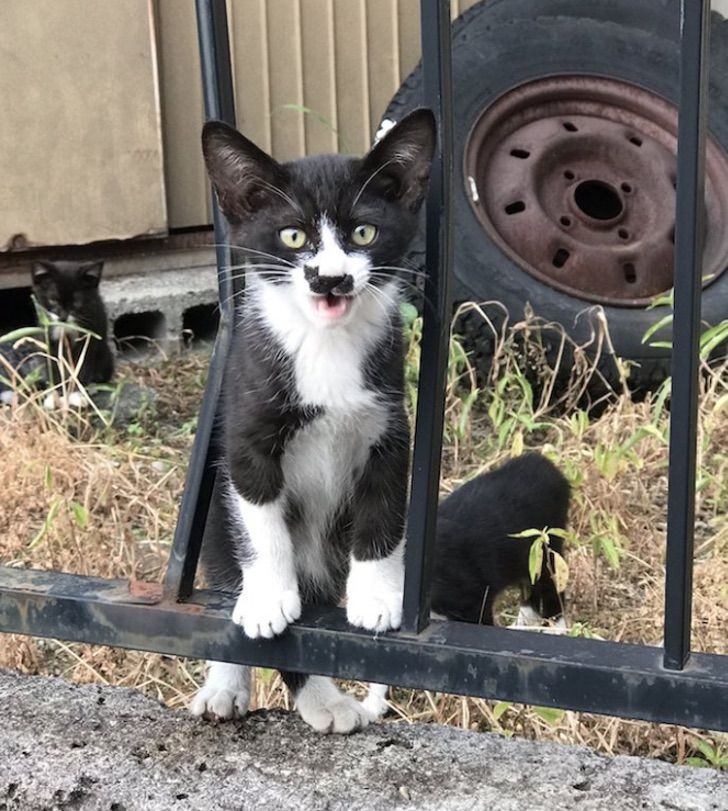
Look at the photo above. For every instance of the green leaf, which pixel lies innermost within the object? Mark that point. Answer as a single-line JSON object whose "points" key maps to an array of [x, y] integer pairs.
{"points": [[80, 514], [610, 551], [527, 533], [658, 325], [535, 559], [47, 523], [550, 715], [409, 313], [500, 708], [705, 749], [561, 572], [23, 332]]}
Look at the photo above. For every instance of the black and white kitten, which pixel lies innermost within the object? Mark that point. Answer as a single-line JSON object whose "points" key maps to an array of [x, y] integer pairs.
{"points": [[69, 293], [476, 556], [316, 438]]}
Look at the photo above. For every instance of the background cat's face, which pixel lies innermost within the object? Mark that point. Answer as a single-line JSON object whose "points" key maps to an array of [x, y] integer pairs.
{"points": [[66, 289], [330, 228]]}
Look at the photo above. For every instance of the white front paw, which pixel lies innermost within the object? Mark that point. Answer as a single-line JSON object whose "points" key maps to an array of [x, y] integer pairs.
{"points": [[375, 612], [266, 613], [374, 592]]}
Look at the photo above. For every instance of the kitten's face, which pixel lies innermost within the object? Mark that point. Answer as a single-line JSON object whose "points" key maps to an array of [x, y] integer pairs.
{"points": [[65, 289], [330, 228]]}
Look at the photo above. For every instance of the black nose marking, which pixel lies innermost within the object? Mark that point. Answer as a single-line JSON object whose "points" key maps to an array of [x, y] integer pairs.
{"points": [[323, 285]]}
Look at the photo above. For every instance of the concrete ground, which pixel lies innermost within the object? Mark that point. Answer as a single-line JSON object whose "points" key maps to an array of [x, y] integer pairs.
{"points": [[86, 747]]}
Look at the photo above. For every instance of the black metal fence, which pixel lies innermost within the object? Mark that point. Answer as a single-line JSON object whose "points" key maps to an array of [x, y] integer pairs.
{"points": [[670, 684]]}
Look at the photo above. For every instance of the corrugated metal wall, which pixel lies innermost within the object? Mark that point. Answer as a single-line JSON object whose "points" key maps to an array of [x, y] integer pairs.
{"points": [[310, 76], [80, 147]]}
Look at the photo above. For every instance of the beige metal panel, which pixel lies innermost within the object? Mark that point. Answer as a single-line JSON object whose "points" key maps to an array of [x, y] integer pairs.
{"points": [[81, 155], [352, 81], [319, 75], [286, 80], [188, 199], [383, 51], [248, 25]]}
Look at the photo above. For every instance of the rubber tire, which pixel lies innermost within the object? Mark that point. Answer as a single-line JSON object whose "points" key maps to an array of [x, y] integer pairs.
{"points": [[500, 44]]}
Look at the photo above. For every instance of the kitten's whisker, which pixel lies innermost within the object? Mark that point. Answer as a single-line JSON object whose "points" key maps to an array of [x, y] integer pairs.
{"points": [[281, 194], [244, 248], [382, 300], [410, 271], [418, 291], [369, 180]]}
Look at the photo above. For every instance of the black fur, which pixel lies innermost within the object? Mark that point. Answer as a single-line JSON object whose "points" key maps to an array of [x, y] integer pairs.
{"points": [[262, 409], [70, 292], [476, 557]]}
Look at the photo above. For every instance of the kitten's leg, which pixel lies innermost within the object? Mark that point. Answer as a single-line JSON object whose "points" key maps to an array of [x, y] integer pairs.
{"points": [[375, 585], [527, 617], [323, 706], [375, 702], [269, 599], [225, 693]]}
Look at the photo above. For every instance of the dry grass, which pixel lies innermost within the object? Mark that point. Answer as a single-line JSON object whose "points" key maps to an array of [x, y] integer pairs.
{"points": [[105, 504]]}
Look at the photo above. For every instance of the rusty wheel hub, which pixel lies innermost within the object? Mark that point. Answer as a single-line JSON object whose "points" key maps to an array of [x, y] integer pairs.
{"points": [[574, 178]]}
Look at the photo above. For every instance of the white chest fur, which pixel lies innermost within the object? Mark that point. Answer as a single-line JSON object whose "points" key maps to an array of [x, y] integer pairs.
{"points": [[323, 459]]}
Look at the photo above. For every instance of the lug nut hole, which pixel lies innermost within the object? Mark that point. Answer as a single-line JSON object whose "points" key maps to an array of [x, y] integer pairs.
{"points": [[630, 273], [515, 208], [560, 258], [565, 221], [520, 153], [623, 233]]}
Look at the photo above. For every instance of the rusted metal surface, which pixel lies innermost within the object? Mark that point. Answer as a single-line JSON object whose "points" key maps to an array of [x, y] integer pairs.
{"points": [[574, 178], [579, 674]]}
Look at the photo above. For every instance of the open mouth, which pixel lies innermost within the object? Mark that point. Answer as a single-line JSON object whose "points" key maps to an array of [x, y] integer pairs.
{"points": [[331, 306]]}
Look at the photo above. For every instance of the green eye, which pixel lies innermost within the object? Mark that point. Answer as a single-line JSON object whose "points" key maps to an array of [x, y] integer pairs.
{"points": [[294, 238], [363, 234]]}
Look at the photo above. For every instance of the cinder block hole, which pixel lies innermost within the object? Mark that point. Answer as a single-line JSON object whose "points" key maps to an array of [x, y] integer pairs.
{"points": [[136, 332], [199, 323], [16, 309]]}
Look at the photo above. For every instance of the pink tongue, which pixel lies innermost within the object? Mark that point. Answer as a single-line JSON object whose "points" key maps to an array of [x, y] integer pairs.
{"points": [[332, 307]]}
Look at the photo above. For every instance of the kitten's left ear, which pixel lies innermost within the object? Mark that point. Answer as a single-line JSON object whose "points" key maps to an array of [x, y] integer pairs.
{"points": [[41, 272], [398, 166], [90, 272], [244, 177]]}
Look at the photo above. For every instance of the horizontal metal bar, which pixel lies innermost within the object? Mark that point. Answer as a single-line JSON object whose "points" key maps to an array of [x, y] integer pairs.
{"points": [[587, 675]]}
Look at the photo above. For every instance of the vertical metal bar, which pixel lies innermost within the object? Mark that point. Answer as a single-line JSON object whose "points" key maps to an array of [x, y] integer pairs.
{"points": [[217, 83], [689, 233], [421, 524]]}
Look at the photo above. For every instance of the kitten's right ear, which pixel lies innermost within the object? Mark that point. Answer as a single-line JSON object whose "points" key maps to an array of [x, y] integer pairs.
{"points": [[243, 176]]}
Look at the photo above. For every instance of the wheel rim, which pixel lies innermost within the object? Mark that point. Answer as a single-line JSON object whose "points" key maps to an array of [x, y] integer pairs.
{"points": [[574, 178]]}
